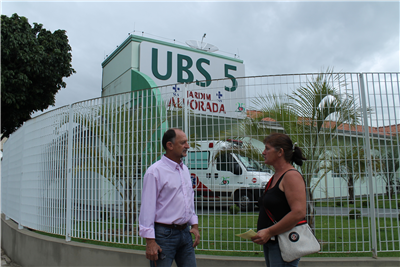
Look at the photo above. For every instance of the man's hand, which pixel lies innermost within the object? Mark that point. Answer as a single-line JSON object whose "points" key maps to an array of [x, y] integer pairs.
{"points": [[196, 233], [152, 249]]}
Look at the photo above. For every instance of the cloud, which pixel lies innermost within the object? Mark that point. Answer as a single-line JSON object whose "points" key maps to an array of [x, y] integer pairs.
{"points": [[271, 37]]}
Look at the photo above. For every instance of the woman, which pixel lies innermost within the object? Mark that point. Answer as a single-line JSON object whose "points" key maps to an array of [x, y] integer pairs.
{"points": [[285, 197]]}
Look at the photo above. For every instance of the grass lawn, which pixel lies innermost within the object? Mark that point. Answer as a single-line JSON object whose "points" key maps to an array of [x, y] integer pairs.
{"points": [[340, 236]]}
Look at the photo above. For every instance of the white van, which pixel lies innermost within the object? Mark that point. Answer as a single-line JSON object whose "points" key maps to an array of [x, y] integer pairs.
{"points": [[223, 171]]}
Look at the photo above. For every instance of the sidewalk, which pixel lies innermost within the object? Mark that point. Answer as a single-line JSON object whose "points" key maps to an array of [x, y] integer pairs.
{"points": [[6, 261], [305, 262], [230, 261]]}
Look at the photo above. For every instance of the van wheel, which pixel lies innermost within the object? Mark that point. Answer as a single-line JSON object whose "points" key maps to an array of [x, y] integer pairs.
{"points": [[244, 200]]}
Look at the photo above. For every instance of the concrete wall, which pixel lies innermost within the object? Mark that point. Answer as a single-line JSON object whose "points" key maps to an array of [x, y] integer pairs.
{"points": [[27, 248]]}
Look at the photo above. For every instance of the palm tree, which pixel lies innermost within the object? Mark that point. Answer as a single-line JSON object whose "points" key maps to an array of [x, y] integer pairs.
{"points": [[311, 116]]}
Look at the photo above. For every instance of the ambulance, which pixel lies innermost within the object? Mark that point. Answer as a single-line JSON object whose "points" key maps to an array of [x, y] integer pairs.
{"points": [[224, 172]]}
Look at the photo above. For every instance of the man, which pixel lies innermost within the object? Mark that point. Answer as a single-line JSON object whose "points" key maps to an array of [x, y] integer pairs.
{"points": [[167, 210]]}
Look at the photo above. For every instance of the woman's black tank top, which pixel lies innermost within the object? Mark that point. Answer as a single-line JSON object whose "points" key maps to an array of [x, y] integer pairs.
{"points": [[275, 201]]}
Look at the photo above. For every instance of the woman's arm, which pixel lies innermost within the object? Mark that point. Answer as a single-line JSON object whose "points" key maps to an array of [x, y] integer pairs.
{"points": [[295, 191]]}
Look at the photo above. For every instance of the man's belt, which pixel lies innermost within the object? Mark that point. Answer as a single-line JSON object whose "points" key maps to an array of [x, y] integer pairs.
{"points": [[174, 226]]}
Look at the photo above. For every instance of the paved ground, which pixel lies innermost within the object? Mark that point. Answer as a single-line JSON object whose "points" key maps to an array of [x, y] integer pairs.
{"points": [[6, 261], [309, 262], [339, 211]]}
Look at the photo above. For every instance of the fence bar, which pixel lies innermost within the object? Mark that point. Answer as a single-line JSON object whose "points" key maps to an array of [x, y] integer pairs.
{"points": [[69, 175], [367, 145], [186, 120]]}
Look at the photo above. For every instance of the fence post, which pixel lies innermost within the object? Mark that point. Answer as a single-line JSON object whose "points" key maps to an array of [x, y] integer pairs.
{"points": [[69, 175], [186, 119], [367, 146]]}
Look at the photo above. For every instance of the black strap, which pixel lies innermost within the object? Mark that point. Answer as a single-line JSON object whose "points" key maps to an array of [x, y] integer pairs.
{"points": [[270, 180]]}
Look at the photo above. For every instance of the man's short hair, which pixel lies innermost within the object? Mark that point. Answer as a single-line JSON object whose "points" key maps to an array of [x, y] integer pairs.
{"points": [[169, 135]]}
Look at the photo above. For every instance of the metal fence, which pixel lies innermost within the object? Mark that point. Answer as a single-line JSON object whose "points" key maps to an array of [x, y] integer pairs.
{"points": [[77, 171]]}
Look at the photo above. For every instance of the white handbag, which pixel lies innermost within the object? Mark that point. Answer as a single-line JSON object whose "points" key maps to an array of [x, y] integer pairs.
{"points": [[297, 242]]}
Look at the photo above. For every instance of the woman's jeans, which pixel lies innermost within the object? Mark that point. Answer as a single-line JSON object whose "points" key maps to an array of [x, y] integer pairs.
{"points": [[273, 257], [176, 245]]}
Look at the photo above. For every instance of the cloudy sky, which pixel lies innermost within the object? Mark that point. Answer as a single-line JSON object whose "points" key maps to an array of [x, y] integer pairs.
{"points": [[270, 37]]}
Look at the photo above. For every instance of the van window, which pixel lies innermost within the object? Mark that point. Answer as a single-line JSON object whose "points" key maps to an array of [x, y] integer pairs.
{"points": [[198, 160], [225, 162], [252, 165]]}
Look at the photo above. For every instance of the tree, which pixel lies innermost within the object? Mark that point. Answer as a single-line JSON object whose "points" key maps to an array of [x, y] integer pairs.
{"points": [[33, 64], [350, 163], [311, 116]]}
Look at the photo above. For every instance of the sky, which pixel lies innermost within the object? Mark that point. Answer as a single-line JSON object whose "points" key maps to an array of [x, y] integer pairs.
{"points": [[271, 37]]}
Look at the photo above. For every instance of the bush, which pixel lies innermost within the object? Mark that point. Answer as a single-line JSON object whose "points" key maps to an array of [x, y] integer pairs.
{"points": [[234, 209], [338, 203], [365, 204], [355, 214]]}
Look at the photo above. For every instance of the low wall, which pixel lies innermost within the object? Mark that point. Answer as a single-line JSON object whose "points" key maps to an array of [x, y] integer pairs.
{"points": [[28, 248]]}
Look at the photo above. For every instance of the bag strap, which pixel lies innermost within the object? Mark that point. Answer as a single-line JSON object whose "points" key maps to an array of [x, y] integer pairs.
{"points": [[268, 184], [270, 215], [274, 221]]}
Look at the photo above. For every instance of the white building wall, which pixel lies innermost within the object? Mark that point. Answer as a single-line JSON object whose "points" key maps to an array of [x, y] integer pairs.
{"points": [[116, 76]]}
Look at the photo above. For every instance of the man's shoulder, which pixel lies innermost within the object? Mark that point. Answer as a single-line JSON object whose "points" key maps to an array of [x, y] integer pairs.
{"points": [[159, 164], [155, 165]]}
